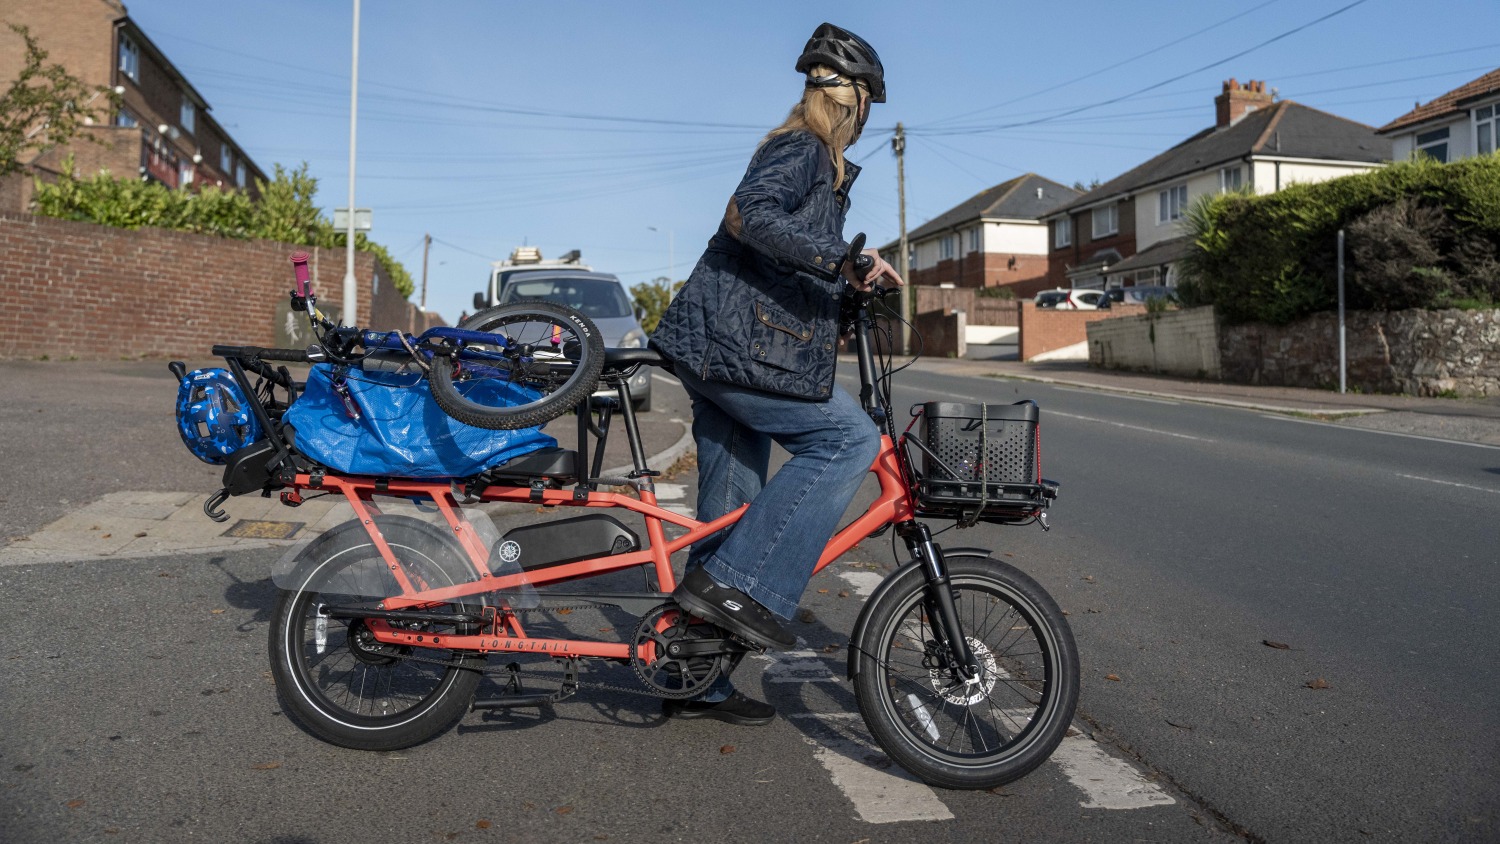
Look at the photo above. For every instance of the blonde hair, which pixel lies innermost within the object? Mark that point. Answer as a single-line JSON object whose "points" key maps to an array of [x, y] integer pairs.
{"points": [[830, 114]]}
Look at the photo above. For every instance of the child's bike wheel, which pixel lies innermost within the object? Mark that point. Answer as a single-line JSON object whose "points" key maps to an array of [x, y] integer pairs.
{"points": [[549, 361], [332, 676], [994, 729]]}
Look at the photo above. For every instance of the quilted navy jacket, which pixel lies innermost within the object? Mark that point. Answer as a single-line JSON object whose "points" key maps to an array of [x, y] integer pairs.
{"points": [[761, 310]]}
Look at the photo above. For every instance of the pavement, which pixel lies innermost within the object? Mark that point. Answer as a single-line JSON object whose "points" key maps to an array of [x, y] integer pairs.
{"points": [[114, 481]]}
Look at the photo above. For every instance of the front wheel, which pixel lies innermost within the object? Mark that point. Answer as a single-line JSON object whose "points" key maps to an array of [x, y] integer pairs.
{"points": [[973, 734], [545, 359]]}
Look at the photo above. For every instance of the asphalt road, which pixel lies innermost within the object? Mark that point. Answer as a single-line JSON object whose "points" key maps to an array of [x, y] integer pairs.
{"points": [[137, 704]]}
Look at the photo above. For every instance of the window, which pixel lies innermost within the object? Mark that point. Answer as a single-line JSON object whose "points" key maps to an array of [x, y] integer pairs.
{"points": [[945, 248], [239, 174], [185, 119], [226, 161], [1487, 129], [974, 239], [1106, 221], [184, 174], [1171, 203], [1434, 144], [125, 119], [130, 59], [1062, 233], [1230, 179]]}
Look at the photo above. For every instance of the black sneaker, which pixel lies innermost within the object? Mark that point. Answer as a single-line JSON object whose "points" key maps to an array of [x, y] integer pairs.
{"points": [[732, 610], [735, 709]]}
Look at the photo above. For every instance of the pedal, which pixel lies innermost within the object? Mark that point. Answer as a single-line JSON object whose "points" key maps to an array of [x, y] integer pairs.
{"points": [[291, 498]]}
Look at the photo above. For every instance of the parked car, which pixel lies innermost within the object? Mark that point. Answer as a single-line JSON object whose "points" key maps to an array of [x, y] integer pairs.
{"points": [[1050, 298], [1140, 294], [1081, 300], [600, 297]]}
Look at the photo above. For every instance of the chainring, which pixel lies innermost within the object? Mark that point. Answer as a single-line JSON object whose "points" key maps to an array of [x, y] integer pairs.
{"points": [[663, 674]]}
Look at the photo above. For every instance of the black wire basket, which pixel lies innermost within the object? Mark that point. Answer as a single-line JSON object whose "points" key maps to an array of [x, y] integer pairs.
{"points": [[979, 462]]}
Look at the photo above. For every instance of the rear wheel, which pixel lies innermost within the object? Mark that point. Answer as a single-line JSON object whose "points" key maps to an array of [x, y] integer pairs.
{"points": [[548, 361], [982, 733], [331, 674]]}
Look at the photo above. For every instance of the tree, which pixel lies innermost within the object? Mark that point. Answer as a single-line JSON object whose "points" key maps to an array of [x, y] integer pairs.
{"points": [[44, 106], [652, 298]]}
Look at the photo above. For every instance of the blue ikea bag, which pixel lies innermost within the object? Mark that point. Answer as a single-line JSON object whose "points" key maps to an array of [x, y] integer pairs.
{"points": [[401, 432]]}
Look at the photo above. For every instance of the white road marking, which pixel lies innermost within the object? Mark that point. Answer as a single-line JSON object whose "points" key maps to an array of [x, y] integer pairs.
{"points": [[670, 492], [880, 794], [1113, 395], [1106, 782], [1376, 431], [1131, 427], [1447, 483], [804, 666], [862, 582]]}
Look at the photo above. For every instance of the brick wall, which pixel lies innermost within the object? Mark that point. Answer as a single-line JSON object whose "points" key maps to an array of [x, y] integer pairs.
{"points": [[70, 289], [1085, 247], [1048, 329]]}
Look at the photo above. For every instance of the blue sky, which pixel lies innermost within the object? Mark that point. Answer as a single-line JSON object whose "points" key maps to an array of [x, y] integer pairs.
{"points": [[584, 125]]}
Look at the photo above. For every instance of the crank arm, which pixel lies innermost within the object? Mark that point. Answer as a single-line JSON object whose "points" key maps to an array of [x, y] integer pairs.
{"points": [[706, 647]]}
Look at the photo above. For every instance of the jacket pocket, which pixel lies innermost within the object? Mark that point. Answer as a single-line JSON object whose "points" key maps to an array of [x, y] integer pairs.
{"points": [[777, 339]]}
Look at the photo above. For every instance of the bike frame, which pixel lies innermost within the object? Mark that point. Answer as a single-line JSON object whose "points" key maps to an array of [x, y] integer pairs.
{"points": [[894, 505]]}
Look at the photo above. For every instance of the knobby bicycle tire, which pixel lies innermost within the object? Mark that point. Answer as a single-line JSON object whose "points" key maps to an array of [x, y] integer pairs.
{"points": [[581, 360]]}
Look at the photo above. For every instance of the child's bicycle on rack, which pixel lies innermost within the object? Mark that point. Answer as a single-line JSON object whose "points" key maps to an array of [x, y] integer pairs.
{"points": [[964, 668]]}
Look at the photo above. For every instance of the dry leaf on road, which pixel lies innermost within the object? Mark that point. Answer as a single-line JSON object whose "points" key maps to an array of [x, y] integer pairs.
{"points": [[1280, 646], [1319, 683]]}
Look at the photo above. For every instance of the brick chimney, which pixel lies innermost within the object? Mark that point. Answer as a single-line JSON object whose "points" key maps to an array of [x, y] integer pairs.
{"points": [[1239, 100]]}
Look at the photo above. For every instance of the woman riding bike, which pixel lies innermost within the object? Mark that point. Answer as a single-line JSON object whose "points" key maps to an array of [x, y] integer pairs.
{"points": [[753, 337]]}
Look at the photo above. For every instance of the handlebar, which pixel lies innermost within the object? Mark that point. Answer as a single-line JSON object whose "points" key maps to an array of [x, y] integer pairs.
{"points": [[259, 353]]}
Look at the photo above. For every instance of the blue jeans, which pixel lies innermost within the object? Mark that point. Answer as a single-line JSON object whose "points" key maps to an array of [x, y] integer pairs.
{"points": [[770, 553]]}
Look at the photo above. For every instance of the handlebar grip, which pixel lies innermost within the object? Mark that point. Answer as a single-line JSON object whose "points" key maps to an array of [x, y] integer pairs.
{"points": [[857, 258], [299, 269]]}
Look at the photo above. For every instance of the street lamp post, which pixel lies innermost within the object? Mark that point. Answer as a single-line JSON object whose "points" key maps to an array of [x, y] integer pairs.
{"points": [[351, 288], [671, 257]]}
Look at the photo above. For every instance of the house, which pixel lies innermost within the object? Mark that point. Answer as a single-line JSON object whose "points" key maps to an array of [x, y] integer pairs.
{"points": [[993, 239], [1129, 230], [163, 130], [1462, 123]]}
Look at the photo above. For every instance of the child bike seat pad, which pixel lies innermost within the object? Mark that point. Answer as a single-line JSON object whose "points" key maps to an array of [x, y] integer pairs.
{"points": [[401, 432]]}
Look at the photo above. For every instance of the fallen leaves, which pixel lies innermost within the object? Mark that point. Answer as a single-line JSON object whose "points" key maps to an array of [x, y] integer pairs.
{"points": [[1177, 725], [1280, 646], [806, 616], [1114, 677], [564, 810], [75, 804], [482, 824], [1319, 683], [822, 591], [266, 766], [843, 593], [726, 749]]}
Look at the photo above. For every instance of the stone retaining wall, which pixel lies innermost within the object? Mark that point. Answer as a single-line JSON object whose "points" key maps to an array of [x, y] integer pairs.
{"points": [[1416, 352]]}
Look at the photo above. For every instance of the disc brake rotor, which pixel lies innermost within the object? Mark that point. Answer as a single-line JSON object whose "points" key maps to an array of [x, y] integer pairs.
{"points": [[968, 694]]}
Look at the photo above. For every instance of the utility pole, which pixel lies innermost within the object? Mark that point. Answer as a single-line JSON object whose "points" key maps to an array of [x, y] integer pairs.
{"points": [[351, 287], [898, 143], [426, 245]]}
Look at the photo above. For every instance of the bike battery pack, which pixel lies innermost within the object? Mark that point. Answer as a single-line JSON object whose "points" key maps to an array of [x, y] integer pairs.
{"points": [[567, 541]]}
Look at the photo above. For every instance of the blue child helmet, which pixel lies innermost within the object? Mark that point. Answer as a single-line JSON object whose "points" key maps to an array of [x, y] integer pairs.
{"points": [[214, 416]]}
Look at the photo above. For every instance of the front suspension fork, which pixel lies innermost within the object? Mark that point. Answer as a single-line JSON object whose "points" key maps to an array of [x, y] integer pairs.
{"points": [[940, 596]]}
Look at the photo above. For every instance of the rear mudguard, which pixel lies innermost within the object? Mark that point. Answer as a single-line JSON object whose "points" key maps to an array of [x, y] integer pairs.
{"points": [[888, 584]]}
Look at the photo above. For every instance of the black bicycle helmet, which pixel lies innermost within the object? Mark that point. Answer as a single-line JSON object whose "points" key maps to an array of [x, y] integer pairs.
{"points": [[847, 53]]}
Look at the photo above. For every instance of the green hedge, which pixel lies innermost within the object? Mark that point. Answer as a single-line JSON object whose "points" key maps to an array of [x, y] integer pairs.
{"points": [[1418, 234], [284, 212]]}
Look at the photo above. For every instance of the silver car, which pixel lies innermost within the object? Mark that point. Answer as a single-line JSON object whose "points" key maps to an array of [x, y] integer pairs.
{"points": [[600, 297]]}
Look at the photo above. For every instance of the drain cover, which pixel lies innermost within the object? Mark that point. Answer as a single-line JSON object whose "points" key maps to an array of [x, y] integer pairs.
{"points": [[260, 529]]}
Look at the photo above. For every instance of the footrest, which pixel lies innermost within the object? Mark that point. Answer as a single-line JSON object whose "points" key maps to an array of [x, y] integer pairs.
{"points": [[512, 701]]}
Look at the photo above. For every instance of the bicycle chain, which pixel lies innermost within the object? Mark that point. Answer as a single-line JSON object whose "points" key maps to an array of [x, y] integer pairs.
{"points": [[499, 671]]}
